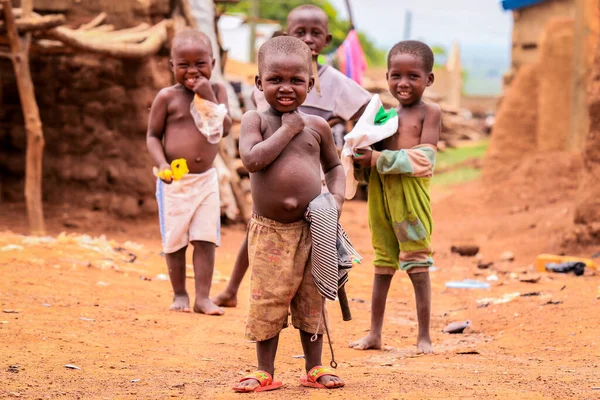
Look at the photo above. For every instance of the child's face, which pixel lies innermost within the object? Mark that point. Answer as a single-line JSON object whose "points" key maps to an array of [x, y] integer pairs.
{"points": [[191, 60], [285, 81], [311, 28], [407, 78]]}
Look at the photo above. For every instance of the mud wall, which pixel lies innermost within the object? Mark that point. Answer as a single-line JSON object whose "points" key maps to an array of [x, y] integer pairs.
{"points": [[94, 112], [554, 96], [529, 23], [514, 136], [587, 212]]}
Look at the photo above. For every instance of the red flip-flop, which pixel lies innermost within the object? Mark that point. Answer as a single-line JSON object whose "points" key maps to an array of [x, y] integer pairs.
{"points": [[264, 379], [310, 380]]}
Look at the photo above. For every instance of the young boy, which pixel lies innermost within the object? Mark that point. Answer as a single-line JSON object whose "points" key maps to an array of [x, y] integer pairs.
{"points": [[189, 209], [283, 149], [399, 204], [341, 99]]}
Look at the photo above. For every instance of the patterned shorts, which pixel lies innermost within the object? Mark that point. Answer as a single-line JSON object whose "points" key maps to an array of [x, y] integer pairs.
{"points": [[281, 279]]}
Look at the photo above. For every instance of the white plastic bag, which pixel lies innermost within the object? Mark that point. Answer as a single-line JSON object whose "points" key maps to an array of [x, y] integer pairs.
{"points": [[373, 126], [208, 118]]}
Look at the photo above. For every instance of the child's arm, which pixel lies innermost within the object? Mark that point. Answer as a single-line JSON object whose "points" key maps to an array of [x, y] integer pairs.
{"points": [[418, 161], [330, 161], [258, 153], [432, 125], [156, 129]]}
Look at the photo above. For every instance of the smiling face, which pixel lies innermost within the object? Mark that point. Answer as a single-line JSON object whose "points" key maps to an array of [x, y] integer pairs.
{"points": [[309, 24], [285, 80], [408, 78], [191, 60]]}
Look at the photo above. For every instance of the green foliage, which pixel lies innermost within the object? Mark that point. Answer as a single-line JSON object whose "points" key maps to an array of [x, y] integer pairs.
{"points": [[451, 159], [279, 9]]}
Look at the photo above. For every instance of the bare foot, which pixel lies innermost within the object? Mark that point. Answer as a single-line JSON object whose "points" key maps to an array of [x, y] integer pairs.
{"points": [[247, 386], [371, 341], [206, 306], [225, 299], [331, 381], [424, 345], [181, 303]]}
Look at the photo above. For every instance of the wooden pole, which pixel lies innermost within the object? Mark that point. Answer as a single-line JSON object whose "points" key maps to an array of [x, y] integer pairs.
{"points": [[350, 14], [254, 14], [33, 125]]}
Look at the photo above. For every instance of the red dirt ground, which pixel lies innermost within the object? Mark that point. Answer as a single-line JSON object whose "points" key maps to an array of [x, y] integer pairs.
{"points": [[521, 349]]}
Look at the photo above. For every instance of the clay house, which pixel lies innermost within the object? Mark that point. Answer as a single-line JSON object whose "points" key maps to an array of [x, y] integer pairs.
{"points": [[530, 19]]}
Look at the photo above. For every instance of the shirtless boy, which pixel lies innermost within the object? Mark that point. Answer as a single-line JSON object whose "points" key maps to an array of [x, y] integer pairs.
{"points": [[341, 99], [284, 149], [189, 209], [399, 203]]}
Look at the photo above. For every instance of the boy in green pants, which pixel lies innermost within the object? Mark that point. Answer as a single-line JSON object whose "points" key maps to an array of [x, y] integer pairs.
{"points": [[399, 203]]}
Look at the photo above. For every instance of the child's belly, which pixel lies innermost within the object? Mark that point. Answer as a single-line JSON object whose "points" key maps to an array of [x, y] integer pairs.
{"points": [[283, 191], [193, 146]]}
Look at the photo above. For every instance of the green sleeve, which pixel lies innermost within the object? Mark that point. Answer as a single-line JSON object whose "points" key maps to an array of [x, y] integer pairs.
{"points": [[417, 162]]}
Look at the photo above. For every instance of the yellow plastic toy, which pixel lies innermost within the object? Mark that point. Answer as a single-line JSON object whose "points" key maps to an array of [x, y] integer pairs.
{"points": [[178, 169]]}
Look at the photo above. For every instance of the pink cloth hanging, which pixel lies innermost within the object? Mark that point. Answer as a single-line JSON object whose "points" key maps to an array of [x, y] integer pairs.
{"points": [[351, 58]]}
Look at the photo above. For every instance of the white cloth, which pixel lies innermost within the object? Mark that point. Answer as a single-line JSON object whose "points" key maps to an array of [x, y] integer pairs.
{"points": [[364, 134], [189, 210], [208, 118]]}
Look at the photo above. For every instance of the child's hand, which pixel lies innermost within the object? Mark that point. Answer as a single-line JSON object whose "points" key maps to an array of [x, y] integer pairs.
{"points": [[293, 121], [165, 173], [362, 157], [203, 88]]}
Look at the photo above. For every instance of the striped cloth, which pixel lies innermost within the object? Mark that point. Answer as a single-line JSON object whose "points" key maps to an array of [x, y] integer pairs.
{"points": [[332, 252]]}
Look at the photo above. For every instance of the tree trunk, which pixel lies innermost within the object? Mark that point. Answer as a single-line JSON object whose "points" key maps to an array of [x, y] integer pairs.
{"points": [[33, 124]]}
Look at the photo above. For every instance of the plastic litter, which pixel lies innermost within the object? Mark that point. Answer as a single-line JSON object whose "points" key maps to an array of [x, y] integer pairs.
{"points": [[468, 284], [457, 327], [577, 267]]}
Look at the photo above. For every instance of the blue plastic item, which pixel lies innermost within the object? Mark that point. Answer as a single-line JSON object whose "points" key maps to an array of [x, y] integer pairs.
{"points": [[468, 284]]}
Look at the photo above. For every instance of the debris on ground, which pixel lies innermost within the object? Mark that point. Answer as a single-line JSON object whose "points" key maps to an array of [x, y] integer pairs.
{"points": [[577, 267], [499, 300], [530, 294], [467, 284], [72, 366], [530, 279], [456, 327], [11, 247], [465, 250], [507, 256], [161, 277], [543, 259], [484, 264], [553, 302]]}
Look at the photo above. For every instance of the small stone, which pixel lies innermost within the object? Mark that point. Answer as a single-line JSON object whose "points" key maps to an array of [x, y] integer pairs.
{"points": [[507, 256]]}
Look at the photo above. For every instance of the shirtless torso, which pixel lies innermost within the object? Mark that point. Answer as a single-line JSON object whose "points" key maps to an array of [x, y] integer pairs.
{"points": [[283, 187]]}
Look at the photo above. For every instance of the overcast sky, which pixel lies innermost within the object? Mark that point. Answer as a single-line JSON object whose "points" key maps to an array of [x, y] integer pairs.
{"points": [[473, 23]]}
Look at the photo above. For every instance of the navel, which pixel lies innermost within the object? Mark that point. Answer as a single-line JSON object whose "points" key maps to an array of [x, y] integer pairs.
{"points": [[198, 159], [290, 204]]}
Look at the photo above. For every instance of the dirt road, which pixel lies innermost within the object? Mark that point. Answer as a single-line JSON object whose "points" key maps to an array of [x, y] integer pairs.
{"points": [[74, 300]]}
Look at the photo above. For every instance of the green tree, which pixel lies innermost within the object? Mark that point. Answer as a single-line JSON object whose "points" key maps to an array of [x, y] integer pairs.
{"points": [[279, 9]]}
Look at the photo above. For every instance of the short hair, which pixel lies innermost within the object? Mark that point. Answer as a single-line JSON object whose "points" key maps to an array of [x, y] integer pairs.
{"points": [[311, 8], [415, 48], [190, 36], [286, 45]]}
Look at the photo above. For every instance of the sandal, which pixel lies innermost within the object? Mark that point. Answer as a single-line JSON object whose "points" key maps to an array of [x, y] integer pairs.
{"points": [[310, 380], [264, 379]]}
